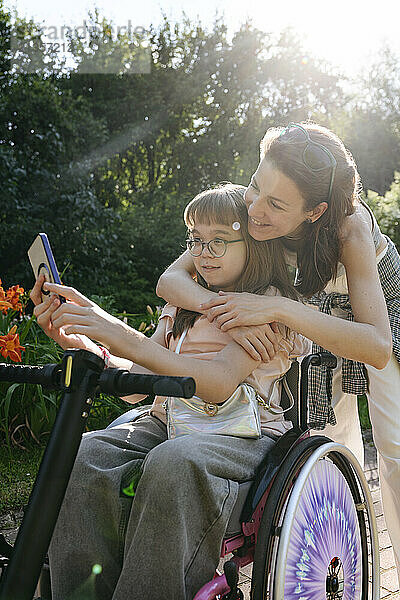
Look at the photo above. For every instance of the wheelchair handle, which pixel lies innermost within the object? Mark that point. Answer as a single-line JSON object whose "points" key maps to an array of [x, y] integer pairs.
{"points": [[320, 359]]}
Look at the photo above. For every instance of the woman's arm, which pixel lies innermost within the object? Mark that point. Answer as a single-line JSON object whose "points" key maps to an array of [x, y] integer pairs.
{"points": [[177, 286], [367, 339], [229, 368]]}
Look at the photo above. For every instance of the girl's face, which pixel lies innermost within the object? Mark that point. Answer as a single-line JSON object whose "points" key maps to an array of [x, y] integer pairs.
{"points": [[274, 204], [220, 273]]}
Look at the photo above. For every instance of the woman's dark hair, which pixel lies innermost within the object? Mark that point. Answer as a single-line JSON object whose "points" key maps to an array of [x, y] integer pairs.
{"points": [[265, 261], [318, 256]]}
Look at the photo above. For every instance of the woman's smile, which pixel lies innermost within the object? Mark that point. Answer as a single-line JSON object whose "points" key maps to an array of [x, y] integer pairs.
{"points": [[258, 223]]}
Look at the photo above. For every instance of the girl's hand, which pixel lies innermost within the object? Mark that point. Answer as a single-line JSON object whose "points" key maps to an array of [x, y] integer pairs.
{"points": [[237, 309], [260, 341], [84, 317], [44, 311]]}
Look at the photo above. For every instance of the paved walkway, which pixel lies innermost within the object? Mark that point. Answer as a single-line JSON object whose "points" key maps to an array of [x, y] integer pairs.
{"points": [[389, 584]]}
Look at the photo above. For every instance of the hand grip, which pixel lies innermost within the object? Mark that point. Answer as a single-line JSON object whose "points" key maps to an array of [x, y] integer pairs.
{"points": [[47, 375], [123, 383], [325, 359]]}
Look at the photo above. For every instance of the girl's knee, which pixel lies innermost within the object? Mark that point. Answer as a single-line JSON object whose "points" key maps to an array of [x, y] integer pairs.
{"points": [[173, 456]]}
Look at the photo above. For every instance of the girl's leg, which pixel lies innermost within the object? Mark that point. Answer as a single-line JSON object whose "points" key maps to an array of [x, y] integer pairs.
{"points": [[182, 506], [90, 529], [384, 410], [347, 430]]}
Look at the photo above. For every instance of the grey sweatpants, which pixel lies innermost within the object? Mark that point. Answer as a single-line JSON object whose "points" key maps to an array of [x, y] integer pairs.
{"points": [[161, 542]]}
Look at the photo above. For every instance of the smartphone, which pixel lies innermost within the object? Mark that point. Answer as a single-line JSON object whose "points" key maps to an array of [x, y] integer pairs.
{"points": [[43, 263]]}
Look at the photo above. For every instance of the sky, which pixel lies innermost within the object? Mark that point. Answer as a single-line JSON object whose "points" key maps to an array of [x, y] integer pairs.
{"points": [[347, 33]]}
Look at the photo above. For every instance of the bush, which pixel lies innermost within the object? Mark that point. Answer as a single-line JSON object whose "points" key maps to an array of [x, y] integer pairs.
{"points": [[387, 209]]}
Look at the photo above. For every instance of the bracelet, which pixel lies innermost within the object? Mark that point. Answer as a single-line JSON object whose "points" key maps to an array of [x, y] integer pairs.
{"points": [[105, 355]]}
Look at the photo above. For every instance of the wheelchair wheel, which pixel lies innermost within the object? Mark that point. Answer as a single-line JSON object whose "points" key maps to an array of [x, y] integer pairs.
{"points": [[312, 539]]}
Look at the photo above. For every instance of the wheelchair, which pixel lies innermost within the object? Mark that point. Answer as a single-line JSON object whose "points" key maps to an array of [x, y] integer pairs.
{"points": [[306, 521]]}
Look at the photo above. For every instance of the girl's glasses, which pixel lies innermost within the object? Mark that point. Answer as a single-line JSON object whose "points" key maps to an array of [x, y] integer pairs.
{"points": [[215, 247], [315, 156]]}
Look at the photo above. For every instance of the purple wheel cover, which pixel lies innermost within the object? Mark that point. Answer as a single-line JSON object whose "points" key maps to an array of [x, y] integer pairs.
{"points": [[325, 525]]}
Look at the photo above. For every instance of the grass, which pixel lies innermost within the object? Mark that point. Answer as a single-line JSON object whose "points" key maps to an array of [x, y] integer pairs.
{"points": [[18, 470]]}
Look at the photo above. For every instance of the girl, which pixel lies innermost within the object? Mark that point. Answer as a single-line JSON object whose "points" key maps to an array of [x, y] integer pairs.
{"points": [[306, 191], [187, 486]]}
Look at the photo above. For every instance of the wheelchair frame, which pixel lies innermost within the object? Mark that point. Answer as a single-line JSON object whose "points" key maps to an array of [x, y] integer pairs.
{"points": [[269, 518]]}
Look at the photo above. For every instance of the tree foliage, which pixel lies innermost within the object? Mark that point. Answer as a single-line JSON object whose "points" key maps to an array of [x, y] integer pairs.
{"points": [[104, 163]]}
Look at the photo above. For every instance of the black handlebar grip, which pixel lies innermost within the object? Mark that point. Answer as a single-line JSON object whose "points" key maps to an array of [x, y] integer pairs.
{"points": [[123, 383], [326, 359], [183, 387], [46, 375]]}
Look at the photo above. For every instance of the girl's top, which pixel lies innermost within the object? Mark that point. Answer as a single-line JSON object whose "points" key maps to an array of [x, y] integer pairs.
{"points": [[334, 300], [204, 340]]}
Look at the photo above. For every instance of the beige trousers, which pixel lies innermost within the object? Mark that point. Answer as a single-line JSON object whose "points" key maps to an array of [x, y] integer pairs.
{"points": [[384, 409]]}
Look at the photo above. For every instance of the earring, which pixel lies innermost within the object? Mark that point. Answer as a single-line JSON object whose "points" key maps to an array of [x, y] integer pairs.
{"points": [[309, 220]]}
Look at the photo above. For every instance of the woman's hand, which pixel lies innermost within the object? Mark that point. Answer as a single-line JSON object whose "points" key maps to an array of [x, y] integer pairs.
{"points": [[261, 342], [84, 317], [44, 311], [238, 309]]}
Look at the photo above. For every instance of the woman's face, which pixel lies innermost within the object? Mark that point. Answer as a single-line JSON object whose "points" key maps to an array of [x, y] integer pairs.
{"points": [[274, 204]]}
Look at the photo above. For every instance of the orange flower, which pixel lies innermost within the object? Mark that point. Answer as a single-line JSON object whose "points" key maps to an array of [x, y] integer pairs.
{"points": [[13, 297], [4, 306], [9, 345]]}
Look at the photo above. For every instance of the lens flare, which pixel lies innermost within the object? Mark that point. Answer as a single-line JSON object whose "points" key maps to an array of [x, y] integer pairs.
{"points": [[97, 569]]}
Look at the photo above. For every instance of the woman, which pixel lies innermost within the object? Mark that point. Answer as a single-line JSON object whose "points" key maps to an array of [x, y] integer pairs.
{"points": [[306, 191], [130, 485]]}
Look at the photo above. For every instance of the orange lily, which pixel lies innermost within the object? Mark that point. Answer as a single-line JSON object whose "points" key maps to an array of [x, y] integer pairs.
{"points": [[4, 306], [13, 297], [10, 346]]}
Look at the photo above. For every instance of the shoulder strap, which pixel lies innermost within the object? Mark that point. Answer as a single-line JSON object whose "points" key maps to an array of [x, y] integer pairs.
{"points": [[180, 341]]}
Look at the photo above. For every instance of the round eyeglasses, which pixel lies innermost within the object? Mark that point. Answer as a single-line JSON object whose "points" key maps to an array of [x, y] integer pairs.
{"points": [[215, 247], [316, 157]]}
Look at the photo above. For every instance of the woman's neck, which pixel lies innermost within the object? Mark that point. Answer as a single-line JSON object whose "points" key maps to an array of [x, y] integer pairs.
{"points": [[295, 240], [292, 244]]}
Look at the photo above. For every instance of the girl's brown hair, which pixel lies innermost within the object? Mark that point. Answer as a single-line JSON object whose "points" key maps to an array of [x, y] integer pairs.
{"points": [[265, 261], [319, 255]]}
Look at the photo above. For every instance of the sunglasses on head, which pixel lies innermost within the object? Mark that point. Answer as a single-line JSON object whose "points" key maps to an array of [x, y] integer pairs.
{"points": [[315, 156]]}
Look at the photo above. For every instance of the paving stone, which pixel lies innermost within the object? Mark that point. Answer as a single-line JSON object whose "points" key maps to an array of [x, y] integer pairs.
{"points": [[371, 475], [373, 484], [247, 570], [384, 593], [384, 540], [381, 524], [376, 495], [378, 508], [246, 589], [386, 558], [389, 580]]}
